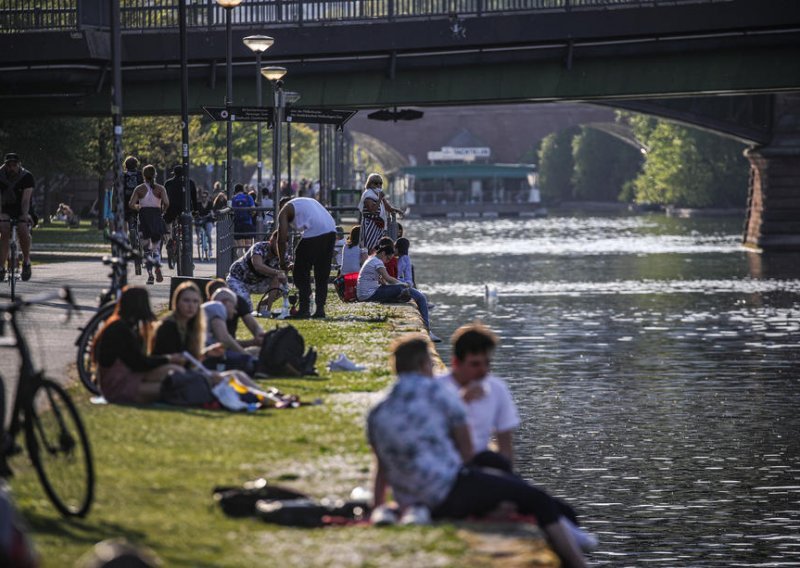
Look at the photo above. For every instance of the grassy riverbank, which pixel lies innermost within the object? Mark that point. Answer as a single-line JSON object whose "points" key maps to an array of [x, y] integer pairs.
{"points": [[156, 467]]}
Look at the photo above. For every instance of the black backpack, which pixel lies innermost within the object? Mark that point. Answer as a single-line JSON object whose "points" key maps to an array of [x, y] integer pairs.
{"points": [[283, 352], [187, 388]]}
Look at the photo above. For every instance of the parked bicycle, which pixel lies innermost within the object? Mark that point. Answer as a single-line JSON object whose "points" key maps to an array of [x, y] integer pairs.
{"points": [[55, 437], [123, 253], [174, 244]]}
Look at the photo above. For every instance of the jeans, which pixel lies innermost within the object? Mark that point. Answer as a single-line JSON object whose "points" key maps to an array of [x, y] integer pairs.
{"points": [[391, 293], [232, 360], [313, 253], [478, 492]]}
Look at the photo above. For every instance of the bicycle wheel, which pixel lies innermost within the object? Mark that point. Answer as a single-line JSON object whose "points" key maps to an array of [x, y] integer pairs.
{"points": [[12, 268], [172, 256], [87, 369], [59, 449]]}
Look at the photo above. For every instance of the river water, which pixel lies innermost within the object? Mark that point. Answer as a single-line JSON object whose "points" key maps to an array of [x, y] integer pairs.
{"points": [[656, 365]]}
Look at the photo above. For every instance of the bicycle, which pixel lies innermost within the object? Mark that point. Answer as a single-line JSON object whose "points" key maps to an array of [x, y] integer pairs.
{"points": [[55, 437], [173, 245], [122, 253], [13, 256]]}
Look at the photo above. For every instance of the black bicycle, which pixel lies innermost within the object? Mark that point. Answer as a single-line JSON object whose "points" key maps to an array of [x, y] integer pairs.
{"points": [[13, 256], [122, 254], [55, 437]]}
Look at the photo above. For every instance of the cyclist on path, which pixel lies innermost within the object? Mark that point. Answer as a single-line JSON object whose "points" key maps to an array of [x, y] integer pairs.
{"points": [[16, 189]]}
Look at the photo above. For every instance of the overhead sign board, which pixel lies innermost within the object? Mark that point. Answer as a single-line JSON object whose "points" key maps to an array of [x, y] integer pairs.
{"points": [[319, 115], [292, 114], [450, 153], [240, 113]]}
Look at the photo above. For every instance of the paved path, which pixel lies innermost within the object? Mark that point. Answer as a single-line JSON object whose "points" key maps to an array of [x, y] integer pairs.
{"points": [[52, 341]]}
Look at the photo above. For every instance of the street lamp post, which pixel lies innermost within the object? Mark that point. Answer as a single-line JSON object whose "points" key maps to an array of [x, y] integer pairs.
{"points": [[274, 75], [258, 44], [228, 5]]}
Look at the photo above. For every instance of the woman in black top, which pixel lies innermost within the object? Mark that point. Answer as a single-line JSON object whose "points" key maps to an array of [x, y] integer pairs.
{"points": [[127, 374]]}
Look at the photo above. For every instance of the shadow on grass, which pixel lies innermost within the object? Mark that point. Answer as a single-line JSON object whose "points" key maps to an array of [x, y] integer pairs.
{"points": [[214, 413], [80, 530]]}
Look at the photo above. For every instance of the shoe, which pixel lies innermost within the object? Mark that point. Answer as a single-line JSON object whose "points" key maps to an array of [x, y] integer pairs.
{"points": [[416, 515], [342, 363], [585, 540], [383, 516], [150, 279], [319, 314], [26, 272], [159, 276], [435, 338]]}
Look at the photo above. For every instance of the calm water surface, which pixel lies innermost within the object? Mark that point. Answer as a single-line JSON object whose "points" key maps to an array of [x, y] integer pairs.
{"points": [[656, 365]]}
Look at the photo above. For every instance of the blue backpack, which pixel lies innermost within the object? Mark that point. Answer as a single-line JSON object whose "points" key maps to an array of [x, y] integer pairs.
{"points": [[242, 217]]}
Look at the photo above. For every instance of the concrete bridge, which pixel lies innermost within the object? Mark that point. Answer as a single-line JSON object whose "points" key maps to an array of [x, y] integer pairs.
{"points": [[675, 59]]}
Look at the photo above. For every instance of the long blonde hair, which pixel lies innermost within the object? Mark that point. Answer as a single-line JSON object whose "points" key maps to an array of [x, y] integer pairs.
{"points": [[196, 326]]}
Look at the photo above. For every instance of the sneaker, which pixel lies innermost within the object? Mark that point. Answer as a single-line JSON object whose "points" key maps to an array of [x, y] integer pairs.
{"points": [[585, 540], [342, 363], [159, 276], [150, 279], [383, 516], [26, 272], [435, 338], [416, 515]]}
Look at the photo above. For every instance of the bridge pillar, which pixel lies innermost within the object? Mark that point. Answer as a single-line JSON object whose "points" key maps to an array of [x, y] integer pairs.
{"points": [[773, 217]]}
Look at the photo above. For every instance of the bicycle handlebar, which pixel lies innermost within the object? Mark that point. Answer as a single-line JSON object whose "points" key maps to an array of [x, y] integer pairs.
{"points": [[64, 293]]}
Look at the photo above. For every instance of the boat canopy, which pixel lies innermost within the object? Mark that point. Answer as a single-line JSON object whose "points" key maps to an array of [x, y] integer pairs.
{"points": [[468, 171]]}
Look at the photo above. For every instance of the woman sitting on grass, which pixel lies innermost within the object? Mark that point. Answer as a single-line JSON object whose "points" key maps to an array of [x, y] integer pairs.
{"points": [[352, 253], [126, 374], [184, 329], [375, 285]]}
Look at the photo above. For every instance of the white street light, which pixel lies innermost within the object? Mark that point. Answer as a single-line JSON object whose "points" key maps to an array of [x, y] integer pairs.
{"points": [[258, 43], [273, 73]]}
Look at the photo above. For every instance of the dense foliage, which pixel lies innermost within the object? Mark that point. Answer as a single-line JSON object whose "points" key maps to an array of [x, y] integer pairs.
{"points": [[682, 166], [603, 165]]}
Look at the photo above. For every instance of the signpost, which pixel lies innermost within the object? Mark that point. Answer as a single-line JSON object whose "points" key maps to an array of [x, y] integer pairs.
{"points": [[292, 114]]}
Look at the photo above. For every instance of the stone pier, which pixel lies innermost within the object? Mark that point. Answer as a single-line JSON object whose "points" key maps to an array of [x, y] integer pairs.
{"points": [[773, 217]]}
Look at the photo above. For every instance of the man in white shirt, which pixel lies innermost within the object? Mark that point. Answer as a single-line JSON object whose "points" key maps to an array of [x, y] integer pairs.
{"points": [[314, 251], [491, 411]]}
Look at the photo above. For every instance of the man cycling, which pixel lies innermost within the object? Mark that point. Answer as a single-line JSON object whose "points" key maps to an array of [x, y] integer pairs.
{"points": [[16, 190]]}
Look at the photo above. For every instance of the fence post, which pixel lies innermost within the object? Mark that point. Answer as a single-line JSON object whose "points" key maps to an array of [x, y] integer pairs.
{"points": [[224, 242]]}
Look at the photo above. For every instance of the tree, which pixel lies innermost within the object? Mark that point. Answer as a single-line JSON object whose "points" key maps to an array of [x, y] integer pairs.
{"points": [[556, 165], [603, 165], [688, 167]]}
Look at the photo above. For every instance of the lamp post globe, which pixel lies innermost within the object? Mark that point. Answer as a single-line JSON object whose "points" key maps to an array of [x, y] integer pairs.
{"points": [[258, 43], [229, 4], [273, 73]]}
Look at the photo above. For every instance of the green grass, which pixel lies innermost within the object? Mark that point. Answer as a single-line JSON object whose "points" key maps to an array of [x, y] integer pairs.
{"points": [[156, 468], [59, 233]]}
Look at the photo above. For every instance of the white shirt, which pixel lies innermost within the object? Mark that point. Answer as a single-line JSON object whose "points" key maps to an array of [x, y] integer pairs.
{"points": [[375, 194], [351, 259], [493, 412], [311, 219], [369, 278]]}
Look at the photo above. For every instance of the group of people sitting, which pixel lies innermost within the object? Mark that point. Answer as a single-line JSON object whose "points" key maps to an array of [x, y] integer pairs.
{"points": [[135, 352], [431, 440], [385, 271]]}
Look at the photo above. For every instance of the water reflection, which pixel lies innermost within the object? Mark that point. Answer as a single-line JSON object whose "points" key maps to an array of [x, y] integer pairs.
{"points": [[656, 366]]}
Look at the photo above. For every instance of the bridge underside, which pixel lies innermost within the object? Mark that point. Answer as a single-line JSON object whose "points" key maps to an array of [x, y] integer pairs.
{"points": [[524, 76]]}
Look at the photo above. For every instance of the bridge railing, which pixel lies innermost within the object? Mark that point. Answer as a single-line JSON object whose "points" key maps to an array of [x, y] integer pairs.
{"points": [[19, 15]]}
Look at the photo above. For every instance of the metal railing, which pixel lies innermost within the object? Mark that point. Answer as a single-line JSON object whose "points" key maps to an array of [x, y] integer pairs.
{"points": [[19, 15]]}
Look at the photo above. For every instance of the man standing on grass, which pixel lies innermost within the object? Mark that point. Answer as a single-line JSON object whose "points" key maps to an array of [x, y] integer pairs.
{"points": [[315, 249], [16, 190]]}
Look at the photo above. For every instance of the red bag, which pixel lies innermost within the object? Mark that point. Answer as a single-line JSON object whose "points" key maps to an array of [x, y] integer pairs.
{"points": [[345, 285]]}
